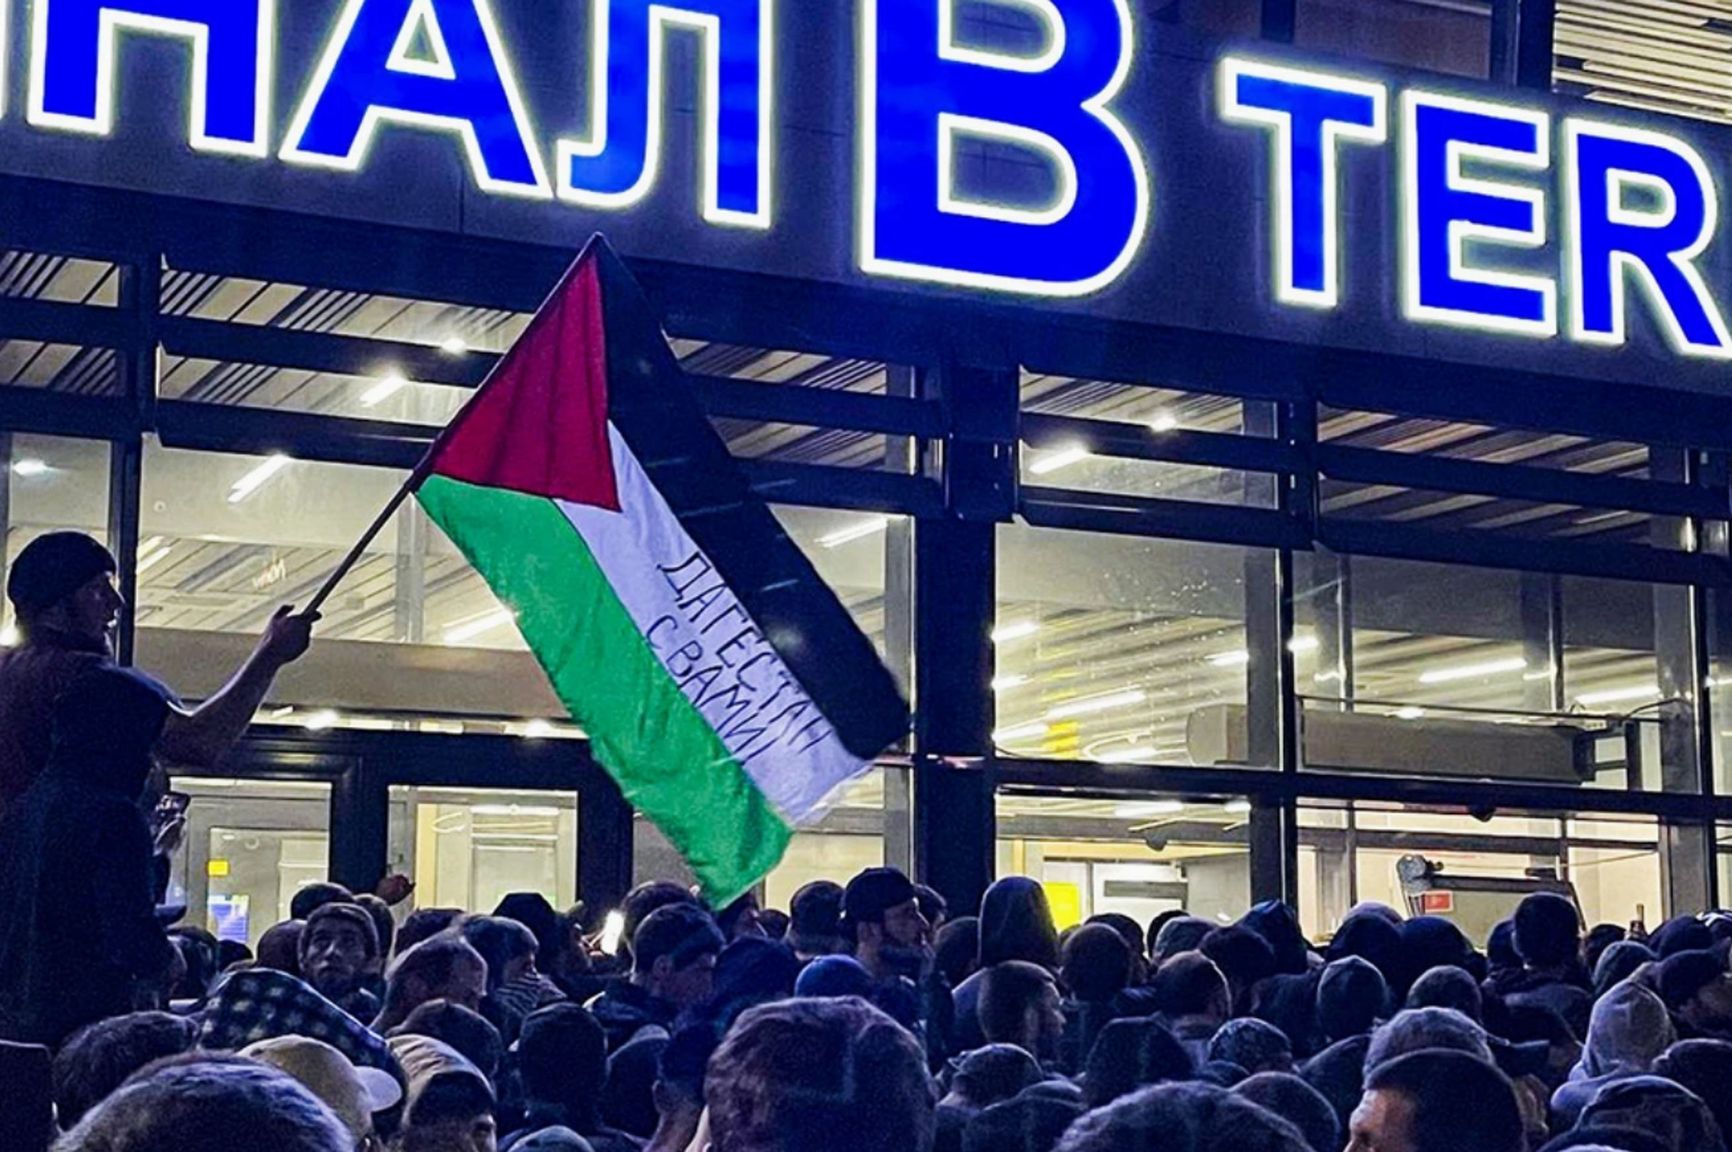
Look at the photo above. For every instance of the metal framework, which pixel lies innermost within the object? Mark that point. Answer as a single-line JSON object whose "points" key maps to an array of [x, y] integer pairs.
{"points": [[956, 405]]}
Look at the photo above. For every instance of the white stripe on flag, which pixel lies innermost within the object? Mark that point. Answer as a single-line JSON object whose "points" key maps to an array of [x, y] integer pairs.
{"points": [[714, 651]]}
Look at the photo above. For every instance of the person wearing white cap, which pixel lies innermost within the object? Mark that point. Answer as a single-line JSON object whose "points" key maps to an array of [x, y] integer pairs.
{"points": [[352, 1092]]}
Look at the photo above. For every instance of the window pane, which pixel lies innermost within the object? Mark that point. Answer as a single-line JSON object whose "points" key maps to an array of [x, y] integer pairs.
{"points": [[226, 538], [1061, 465], [1124, 649], [385, 395], [1474, 871], [848, 840], [469, 848], [1139, 856], [250, 846], [457, 328], [1159, 409], [47, 484], [1445, 670]]}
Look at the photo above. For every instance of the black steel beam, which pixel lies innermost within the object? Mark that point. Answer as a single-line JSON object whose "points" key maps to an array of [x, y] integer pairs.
{"points": [[1492, 550], [1519, 482], [1147, 516]]}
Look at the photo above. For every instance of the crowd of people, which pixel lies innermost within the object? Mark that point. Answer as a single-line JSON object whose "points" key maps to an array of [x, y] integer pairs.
{"points": [[869, 1017]]}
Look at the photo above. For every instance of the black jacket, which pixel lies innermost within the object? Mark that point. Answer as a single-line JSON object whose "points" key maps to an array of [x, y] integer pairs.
{"points": [[625, 1009], [78, 929]]}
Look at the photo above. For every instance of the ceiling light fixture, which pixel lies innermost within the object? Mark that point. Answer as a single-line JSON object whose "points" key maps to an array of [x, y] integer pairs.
{"points": [[1165, 422], [1019, 733], [860, 530], [9, 635], [320, 721], [1059, 459], [1142, 809], [1410, 712], [1473, 671], [454, 346], [1237, 658], [1006, 683], [153, 552], [1090, 705], [1015, 630], [1138, 754], [250, 483], [386, 388], [30, 466]]}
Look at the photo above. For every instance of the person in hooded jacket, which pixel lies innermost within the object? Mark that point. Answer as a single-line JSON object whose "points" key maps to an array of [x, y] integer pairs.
{"points": [[79, 938], [1630, 1029], [1015, 924]]}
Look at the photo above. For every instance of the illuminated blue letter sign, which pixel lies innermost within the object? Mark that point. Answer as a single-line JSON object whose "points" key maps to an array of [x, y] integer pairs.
{"points": [[1310, 113], [616, 165], [920, 90], [426, 63], [1446, 210], [73, 63], [1613, 239]]}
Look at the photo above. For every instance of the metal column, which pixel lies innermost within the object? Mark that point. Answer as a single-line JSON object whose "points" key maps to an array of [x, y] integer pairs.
{"points": [[1686, 846], [955, 819]]}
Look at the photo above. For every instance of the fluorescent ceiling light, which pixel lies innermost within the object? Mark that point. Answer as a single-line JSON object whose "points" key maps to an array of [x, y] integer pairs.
{"points": [[1020, 733], [1237, 658], [153, 552], [1006, 683], [1410, 712], [1090, 705], [1618, 695], [1473, 671], [454, 345], [1165, 422], [1136, 754], [384, 390], [859, 530], [1237, 807], [1059, 459], [1144, 808], [1301, 644], [1015, 630], [319, 721], [537, 730], [9, 635], [477, 626], [30, 466], [514, 810], [258, 477]]}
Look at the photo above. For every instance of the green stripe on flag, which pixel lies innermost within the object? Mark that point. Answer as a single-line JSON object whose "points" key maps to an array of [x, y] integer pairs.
{"points": [[667, 759]]}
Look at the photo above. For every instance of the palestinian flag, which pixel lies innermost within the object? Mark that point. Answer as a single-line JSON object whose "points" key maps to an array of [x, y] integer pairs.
{"points": [[721, 683]]}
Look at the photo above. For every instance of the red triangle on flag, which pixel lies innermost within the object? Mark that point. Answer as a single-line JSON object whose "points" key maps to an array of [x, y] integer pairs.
{"points": [[539, 423]]}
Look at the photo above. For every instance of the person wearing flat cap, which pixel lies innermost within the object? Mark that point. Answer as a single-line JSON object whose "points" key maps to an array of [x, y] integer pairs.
{"points": [[881, 913], [66, 606]]}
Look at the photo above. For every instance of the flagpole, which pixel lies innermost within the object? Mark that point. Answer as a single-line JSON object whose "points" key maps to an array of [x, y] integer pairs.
{"points": [[423, 469], [372, 533]]}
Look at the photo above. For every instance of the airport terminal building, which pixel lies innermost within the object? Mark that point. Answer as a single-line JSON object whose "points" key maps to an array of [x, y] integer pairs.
{"points": [[1284, 447]]}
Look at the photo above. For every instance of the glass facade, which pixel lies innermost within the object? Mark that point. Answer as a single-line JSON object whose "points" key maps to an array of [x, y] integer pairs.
{"points": [[1173, 608], [471, 847], [250, 845]]}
